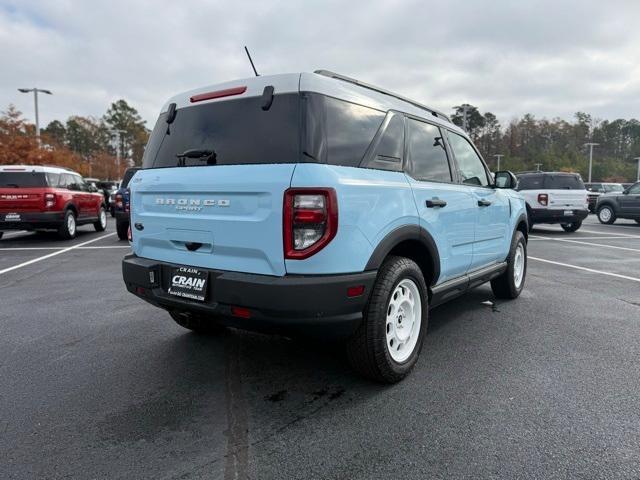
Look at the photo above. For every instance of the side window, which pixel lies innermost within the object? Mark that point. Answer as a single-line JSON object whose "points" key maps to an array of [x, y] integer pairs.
{"points": [[385, 153], [635, 189], [65, 181], [471, 167], [427, 156], [350, 129]]}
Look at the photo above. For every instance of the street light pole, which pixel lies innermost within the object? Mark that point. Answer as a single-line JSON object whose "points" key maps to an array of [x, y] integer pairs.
{"points": [[498, 156], [638, 174], [591, 145], [35, 101]]}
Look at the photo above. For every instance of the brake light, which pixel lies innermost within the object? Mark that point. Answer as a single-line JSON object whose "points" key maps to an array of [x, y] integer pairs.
{"points": [[218, 94], [543, 199], [310, 221], [49, 200], [119, 200]]}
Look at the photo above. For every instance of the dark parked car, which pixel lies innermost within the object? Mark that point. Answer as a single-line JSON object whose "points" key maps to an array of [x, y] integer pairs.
{"points": [[107, 187], [121, 207], [594, 190], [625, 204]]}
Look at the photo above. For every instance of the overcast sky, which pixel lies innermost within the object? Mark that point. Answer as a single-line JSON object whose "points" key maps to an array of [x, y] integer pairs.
{"points": [[549, 58]]}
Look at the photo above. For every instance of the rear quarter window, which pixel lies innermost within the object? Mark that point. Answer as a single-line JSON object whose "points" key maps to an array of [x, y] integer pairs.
{"points": [[530, 182]]}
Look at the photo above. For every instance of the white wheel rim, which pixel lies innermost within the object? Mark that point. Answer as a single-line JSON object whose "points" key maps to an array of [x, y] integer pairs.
{"points": [[71, 224], [404, 318], [518, 265], [103, 218], [605, 214]]}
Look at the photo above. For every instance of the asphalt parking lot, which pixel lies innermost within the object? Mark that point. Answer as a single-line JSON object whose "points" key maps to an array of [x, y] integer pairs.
{"points": [[95, 383]]}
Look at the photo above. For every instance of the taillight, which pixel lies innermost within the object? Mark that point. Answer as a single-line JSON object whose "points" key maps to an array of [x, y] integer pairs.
{"points": [[119, 200], [310, 220], [49, 200], [543, 199]]}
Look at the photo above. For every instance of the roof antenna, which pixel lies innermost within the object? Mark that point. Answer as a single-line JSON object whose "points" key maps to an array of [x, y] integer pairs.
{"points": [[250, 60]]}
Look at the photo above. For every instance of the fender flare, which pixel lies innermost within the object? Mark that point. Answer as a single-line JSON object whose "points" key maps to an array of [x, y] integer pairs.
{"points": [[609, 202], [523, 217], [399, 235]]}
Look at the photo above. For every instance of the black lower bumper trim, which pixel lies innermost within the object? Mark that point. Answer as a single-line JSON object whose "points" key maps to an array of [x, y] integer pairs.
{"points": [[33, 221], [316, 305], [542, 215]]}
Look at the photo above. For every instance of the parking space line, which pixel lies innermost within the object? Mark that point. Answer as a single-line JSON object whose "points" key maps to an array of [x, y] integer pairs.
{"points": [[591, 243], [13, 234], [538, 237], [22, 249], [53, 254], [604, 233], [577, 267]]}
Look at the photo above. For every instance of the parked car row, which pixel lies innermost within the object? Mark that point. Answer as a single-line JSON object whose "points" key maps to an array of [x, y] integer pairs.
{"points": [[48, 198]]}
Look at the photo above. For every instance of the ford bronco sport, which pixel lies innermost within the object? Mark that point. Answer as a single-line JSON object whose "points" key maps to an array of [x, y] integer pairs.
{"points": [[554, 197], [48, 198], [619, 204], [316, 204]]}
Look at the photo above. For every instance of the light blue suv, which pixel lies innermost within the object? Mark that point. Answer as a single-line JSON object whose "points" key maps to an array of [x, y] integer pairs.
{"points": [[316, 204]]}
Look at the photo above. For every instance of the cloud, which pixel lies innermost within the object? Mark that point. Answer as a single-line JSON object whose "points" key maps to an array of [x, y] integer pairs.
{"points": [[545, 57]]}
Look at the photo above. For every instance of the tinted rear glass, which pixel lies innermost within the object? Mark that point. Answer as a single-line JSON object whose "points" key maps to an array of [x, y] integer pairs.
{"points": [[563, 182], [128, 175], [22, 179], [550, 182], [238, 131], [339, 132]]}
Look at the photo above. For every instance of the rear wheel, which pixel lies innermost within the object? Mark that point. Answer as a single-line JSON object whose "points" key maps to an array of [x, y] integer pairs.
{"points": [[510, 284], [101, 224], [571, 227], [68, 228], [606, 215], [121, 228], [387, 343], [196, 322]]}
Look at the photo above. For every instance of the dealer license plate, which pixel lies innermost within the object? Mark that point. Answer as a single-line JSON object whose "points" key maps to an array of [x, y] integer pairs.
{"points": [[188, 282]]}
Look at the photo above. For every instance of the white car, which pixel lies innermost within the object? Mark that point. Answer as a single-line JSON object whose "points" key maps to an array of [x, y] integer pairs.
{"points": [[554, 197]]}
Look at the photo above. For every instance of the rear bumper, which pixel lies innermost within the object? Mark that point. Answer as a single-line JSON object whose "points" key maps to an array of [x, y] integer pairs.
{"points": [[300, 304], [544, 215], [32, 221]]}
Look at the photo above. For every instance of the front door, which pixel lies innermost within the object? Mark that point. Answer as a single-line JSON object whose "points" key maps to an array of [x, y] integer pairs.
{"points": [[492, 236], [630, 202]]}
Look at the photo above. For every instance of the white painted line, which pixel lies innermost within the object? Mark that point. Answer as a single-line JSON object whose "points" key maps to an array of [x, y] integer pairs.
{"points": [[603, 233], [39, 259], [23, 249], [538, 237], [590, 243], [577, 267], [14, 234]]}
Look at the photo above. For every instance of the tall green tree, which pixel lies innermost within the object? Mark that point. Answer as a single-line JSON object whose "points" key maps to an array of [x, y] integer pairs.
{"points": [[125, 123]]}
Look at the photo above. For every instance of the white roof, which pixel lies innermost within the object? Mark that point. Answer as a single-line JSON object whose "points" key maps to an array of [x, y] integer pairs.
{"points": [[35, 168], [317, 83]]}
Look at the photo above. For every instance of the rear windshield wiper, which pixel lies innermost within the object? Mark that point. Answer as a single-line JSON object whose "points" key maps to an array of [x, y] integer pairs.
{"points": [[208, 155]]}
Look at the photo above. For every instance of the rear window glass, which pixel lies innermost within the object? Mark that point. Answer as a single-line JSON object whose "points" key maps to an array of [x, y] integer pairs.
{"points": [[22, 179], [237, 131], [550, 182], [563, 182]]}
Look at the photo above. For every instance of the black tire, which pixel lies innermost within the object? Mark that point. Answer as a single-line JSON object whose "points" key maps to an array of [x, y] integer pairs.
{"points": [[505, 286], [66, 231], [367, 349], [99, 226], [571, 227], [122, 228], [611, 218], [196, 322], [112, 211]]}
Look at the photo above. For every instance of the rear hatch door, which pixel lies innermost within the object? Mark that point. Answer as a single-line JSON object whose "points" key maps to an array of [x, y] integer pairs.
{"points": [[566, 191], [220, 208], [21, 190]]}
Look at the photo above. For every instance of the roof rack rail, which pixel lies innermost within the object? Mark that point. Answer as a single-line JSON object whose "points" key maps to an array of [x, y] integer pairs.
{"points": [[344, 78]]}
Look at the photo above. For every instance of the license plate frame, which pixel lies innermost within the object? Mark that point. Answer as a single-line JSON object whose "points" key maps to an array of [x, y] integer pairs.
{"points": [[12, 217], [189, 283], [568, 213]]}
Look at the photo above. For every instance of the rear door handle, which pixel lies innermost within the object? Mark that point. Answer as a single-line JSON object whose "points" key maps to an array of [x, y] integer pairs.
{"points": [[436, 203], [483, 203]]}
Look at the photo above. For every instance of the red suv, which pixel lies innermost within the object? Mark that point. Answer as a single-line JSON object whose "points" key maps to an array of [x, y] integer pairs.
{"points": [[45, 198]]}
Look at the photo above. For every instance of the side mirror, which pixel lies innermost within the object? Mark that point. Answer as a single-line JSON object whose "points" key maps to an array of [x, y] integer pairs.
{"points": [[505, 179]]}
